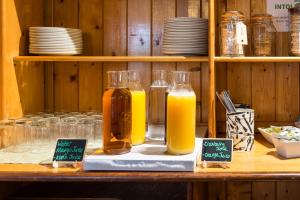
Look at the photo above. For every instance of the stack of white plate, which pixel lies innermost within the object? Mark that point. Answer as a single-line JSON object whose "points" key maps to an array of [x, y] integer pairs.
{"points": [[185, 36], [55, 41]]}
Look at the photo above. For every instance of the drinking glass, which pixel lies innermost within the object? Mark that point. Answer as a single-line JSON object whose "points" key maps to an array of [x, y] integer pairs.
{"points": [[68, 127], [97, 130], [55, 126], [85, 130], [7, 135], [40, 131]]}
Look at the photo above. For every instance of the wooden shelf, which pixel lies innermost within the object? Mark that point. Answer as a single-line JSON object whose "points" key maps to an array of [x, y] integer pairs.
{"points": [[112, 58], [262, 163], [257, 59]]}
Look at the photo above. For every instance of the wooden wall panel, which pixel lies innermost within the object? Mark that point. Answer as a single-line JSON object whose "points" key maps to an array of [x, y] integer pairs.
{"points": [[115, 34], [239, 74], [139, 39], [221, 68], [263, 75], [66, 74], [161, 10], [287, 83], [191, 8], [49, 66], [287, 92], [90, 74]]}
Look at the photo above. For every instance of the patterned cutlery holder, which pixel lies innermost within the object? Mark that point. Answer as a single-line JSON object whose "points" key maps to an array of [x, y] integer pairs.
{"points": [[240, 128]]}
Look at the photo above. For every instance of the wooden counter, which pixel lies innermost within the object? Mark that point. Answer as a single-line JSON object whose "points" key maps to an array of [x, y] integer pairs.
{"points": [[260, 164]]}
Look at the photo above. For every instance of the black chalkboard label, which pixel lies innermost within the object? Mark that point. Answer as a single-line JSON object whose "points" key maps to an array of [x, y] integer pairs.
{"points": [[69, 150], [216, 150]]}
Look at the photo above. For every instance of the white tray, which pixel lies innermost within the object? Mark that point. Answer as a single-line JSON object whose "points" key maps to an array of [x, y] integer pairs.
{"points": [[146, 157]]}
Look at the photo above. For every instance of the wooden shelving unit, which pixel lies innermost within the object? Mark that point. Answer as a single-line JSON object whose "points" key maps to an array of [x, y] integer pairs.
{"points": [[121, 28], [112, 58], [272, 59], [212, 59]]}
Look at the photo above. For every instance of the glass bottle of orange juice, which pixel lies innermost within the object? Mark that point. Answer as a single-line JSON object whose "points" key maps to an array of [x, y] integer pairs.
{"points": [[181, 114], [117, 114], [138, 106]]}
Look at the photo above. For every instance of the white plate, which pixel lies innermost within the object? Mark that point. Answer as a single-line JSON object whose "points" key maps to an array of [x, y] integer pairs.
{"points": [[185, 44], [184, 52], [54, 38], [175, 33], [56, 53], [55, 31], [287, 149], [57, 47], [41, 44], [56, 50], [48, 35], [268, 136], [53, 50], [179, 38], [52, 28], [54, 41], [180, 53]]}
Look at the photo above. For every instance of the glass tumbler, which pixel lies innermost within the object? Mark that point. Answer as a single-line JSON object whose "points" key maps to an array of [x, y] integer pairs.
{"points": [[7, 135], [85, 130], [40, 131], [69, 127], [20, 127], [55, 126], [98, 119]]}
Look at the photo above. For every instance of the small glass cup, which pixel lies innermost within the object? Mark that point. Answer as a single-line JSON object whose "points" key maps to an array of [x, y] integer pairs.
{"points": [[85, 130], [7, 135], [40, 131], [68, 127], [55, 126], [98, 120]]}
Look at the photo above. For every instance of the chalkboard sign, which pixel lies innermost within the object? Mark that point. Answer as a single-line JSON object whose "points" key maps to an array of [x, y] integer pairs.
{"points": [[69, 150], [216, 150]]}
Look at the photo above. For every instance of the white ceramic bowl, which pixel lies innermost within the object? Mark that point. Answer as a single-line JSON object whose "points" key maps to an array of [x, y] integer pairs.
{"points": [[287, 149], [268, 136]]}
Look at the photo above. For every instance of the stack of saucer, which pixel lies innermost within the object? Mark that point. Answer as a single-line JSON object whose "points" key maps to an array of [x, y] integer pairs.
{"points": [[185, 36], [55, 41]]}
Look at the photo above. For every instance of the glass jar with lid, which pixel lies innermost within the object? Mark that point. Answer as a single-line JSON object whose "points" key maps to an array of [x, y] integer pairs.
{"points": [[263, 34], [233, 34], [295, 30]]}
